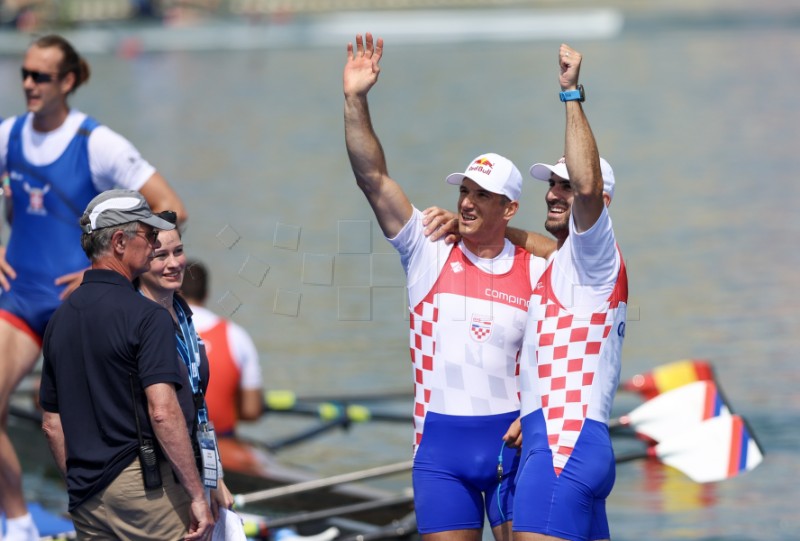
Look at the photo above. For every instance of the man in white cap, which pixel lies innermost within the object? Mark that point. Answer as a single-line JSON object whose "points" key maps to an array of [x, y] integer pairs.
{"points": [[571, 356], [108, 389], [468, 304]]}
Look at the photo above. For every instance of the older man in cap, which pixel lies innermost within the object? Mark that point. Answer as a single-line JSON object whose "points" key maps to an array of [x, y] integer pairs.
{"points": [[468, 303], [111, 412]]}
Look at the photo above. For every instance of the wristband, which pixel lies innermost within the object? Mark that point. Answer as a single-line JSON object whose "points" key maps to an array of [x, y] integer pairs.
{"points": [[573, 95]]}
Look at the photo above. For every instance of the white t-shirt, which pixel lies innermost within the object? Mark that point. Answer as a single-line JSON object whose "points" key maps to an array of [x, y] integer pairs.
{"points": [[113, 160], [585, 268]]}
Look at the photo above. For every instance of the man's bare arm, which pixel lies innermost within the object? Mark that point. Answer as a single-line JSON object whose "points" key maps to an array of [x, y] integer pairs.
{"points": [[389, 203], [170, 429], [535, 243], [580, 148]]}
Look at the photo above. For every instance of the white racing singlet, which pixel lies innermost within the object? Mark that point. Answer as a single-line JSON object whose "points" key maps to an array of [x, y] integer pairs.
{"points": [[571, 359], [467, 322]]}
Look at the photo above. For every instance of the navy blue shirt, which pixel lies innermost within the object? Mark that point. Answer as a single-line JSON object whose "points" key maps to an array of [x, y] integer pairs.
{"points": [[101, 337]]}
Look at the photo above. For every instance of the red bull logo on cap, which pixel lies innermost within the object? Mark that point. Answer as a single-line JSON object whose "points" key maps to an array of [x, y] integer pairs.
{"points": [[482, 165]]}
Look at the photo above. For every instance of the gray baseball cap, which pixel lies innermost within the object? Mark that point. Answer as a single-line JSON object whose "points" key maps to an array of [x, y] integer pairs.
{"points": [[119, 207]]}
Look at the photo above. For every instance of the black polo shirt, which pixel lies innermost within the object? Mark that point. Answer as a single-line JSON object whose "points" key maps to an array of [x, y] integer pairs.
{"points": [[104, 336]]}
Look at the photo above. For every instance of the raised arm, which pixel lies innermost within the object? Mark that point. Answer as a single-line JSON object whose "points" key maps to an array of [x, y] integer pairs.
{"points": [[389, 203], [580, 148]]}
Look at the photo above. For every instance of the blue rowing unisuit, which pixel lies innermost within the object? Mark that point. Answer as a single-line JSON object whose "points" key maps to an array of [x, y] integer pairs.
{"points": [[45, 242]]}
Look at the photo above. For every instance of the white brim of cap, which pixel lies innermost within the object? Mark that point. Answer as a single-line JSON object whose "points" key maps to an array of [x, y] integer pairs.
{"points": [[455, 178], [543, 171]]}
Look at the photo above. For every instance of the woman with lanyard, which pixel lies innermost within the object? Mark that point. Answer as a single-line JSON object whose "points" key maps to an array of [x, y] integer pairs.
{"points": [[161, 284]]}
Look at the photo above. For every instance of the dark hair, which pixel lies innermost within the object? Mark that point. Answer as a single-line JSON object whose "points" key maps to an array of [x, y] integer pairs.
{"points": [[172, 217], [72, 61], [169, 215], [195, 281]]}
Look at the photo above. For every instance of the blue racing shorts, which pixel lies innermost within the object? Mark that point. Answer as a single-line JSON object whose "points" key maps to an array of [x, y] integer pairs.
{"points": [[29, 307], [455, 473], [571, 505]]}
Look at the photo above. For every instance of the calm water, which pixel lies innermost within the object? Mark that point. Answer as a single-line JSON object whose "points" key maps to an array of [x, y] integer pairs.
{"points": [[699, 120]]}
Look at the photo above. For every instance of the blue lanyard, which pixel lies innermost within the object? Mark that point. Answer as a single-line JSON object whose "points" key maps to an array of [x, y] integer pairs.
{"points": [[191, 358]]}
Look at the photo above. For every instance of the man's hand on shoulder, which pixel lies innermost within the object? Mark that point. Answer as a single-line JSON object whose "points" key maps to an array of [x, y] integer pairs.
{"points": [[440, 223]]}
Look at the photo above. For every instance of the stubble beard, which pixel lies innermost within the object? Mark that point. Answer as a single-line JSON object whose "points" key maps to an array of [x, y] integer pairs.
{"points": [[559, 229]]}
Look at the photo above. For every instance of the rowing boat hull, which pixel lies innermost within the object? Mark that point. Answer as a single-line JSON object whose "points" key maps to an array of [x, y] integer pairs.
{"points": [[249, 468]]}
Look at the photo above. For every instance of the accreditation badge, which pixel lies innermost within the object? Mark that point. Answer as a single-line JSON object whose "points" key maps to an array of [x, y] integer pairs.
{"points": [[207, 440]]}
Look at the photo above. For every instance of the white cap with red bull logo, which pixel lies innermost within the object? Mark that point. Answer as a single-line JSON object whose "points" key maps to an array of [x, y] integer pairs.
{"points": [[494, 173]]}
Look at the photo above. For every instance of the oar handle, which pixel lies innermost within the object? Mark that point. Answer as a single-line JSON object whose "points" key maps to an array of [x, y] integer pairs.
{"points": [[290, 397], [280, 402], [308, 434], [268, 494]]}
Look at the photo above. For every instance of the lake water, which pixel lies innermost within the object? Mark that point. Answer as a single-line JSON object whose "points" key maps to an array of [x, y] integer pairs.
{"points": [[699, 117]]}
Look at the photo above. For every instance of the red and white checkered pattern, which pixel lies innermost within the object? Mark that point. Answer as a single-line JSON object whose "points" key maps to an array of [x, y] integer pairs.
{"points": [[423, 350], [569, 365], [465, 337], [567, 358]]}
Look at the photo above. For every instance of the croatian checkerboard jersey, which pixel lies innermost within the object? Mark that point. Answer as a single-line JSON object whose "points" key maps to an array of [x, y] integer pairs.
{"points": [[569, 372], [467, 322]]}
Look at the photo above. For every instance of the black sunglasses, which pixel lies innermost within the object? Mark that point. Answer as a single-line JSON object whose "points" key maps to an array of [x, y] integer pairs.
{"points": [[150, 236], [37, 76]]}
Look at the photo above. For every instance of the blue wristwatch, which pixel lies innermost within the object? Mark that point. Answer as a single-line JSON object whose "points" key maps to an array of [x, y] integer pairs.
{"points": [[573, 95]]}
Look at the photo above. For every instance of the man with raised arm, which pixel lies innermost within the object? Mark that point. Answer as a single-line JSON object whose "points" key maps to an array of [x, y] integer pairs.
{"points": [[468, 305], [570, 361]]}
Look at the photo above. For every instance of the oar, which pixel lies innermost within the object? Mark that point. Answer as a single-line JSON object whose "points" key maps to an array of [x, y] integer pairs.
{"points": [[356, 413], [656, 418], [24, 413], [714, 450], [326, 482], [669, 376], [661, 379], [282, 398], [316, 430], [674, 411]]}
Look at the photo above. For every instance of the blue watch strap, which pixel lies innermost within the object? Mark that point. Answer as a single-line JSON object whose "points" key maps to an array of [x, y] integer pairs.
{"points": [[572, 95]]}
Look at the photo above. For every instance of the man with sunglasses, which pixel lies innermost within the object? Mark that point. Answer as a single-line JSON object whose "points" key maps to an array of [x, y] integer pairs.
{"points": [[57, 160]]}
